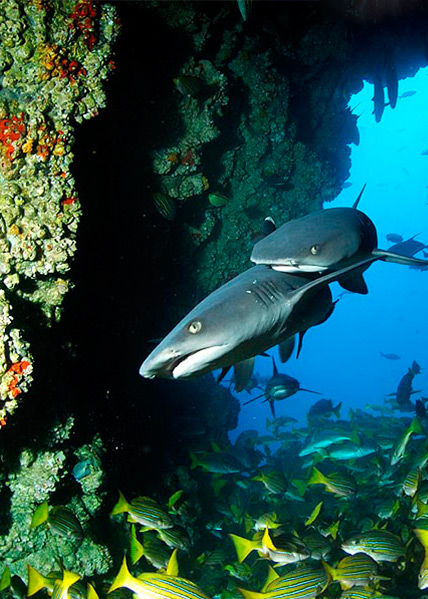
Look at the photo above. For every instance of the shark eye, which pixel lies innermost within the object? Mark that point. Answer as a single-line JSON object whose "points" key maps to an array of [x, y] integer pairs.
{"points": [[315, 249], [194, 327]]}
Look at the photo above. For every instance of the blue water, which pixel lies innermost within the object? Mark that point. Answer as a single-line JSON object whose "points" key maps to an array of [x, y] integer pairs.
{"points": [[342, 358]]}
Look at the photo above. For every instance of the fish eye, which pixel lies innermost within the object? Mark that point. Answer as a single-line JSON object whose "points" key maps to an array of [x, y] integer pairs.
{"points": [[315, 249], [194, 327]]}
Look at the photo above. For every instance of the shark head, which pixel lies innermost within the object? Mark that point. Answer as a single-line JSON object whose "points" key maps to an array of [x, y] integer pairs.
{"points": [[191, 348], [212, 334], [323, 240]]}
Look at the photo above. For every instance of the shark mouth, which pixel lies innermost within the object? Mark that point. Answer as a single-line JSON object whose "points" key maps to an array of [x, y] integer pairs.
{"points": [[298, 268], [195, 362]]}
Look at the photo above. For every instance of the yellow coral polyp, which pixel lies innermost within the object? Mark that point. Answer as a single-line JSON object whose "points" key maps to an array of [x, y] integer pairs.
{"points": [[27, 146]]}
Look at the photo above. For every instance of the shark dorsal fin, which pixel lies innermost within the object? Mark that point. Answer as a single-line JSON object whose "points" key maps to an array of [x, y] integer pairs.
{"points": [[357, 201]]}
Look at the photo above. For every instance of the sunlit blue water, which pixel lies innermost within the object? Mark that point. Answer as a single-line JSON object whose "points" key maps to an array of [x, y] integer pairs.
{"points": [[342, 358]]}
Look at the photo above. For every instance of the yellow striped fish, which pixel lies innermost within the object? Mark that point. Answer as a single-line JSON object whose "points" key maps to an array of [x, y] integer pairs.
{"points": [[423, 572], [152, 585], [354, 570], [339, 483], [305, 582], [381, 545], [144, 510]]}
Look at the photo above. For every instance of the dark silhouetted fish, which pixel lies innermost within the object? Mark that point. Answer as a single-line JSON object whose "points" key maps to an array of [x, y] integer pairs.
{"points": [[416, 369], [165, 205], [324, 407], [407, 94], [394, 238], [409, 247], [280, 386], [390, 356]]}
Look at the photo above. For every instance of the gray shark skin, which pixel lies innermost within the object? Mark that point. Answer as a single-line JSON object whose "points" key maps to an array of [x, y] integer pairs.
{"points": [[245, 317], [326, 240]]}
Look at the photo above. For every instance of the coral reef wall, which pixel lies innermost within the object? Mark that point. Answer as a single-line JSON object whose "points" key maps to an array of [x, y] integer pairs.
{"points": [[54, 57]]}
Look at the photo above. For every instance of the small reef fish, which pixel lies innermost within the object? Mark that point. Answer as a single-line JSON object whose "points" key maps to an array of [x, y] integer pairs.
{"points": [[59, 519], [323, 408], [354, 570], [188, 85], [408, 94], [381, 545], [399, 448], [324, 438], [275, 482], [339, 483], [156, 586], [283, 549], [59, 588], [409, 247], [390, 356], [422, 536], [165, 205], [394, 238], [305, 582], [144, 510], [219, 462]]}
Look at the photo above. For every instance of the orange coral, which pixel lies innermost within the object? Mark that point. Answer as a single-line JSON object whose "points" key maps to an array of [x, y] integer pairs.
{"points": [[11, 130]]}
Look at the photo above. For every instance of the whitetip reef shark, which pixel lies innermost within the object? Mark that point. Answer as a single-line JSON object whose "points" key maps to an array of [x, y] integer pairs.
{"points": [[326, 240], [245, 317]]}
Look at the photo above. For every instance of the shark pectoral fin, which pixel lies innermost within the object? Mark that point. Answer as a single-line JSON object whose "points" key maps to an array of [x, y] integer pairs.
{"points": [[253, 399], [334, 276], [354, 283], [242, 373], [299, 346], [398, 258], [222, 374], [286, 349], [272, 407]]}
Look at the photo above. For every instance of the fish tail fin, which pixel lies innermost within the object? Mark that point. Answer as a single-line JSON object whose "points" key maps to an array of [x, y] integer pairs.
{"points": [[36, 581], [272, 575], [336, 410], [243, 547], [68, 579], [194, 461], [329, 570], [124, 578], [316, 477], [267, 541], [121, 506], [415, 427], [172, 565], [422, 536], [136, 549], [91, 593], [40, 515], [300, 486], [5, 579], [251, 594]]}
